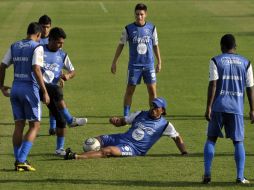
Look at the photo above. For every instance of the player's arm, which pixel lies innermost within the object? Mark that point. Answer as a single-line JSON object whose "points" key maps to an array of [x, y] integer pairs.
{"points": [[119, 50], [4, 65], [250, 91], [37, 63], [70, 69], [213, 77], [156, 50], [122, 121]]}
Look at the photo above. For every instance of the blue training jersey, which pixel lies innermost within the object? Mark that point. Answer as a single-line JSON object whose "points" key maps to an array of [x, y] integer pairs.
{"points": [[232, 71], [140, 40], [53, 65], [22, 57], [144, 132], [44, 41]]}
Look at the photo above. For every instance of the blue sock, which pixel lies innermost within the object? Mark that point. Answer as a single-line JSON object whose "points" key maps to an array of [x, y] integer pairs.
{"points": [[59, 142], [209, 150], [126, 110], [52, 122], [239, 159], [16, 150], [24, 150], [68, 117]]}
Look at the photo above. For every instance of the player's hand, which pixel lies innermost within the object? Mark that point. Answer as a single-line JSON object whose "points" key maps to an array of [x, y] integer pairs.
{"points": [[116, 121], [113, 68], [6, 91], [208, 114], [46, 98], [252, 116], [65, 76], [158, 68]]}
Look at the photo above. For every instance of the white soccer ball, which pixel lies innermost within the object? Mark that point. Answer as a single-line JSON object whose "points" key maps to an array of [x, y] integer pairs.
{"points": [[91, 144]]}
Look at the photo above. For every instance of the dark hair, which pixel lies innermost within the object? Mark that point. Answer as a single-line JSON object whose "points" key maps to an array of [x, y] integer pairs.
{"points": [[141, 6], [227, 42], [56, 33], [45, 19], [34, 28]]}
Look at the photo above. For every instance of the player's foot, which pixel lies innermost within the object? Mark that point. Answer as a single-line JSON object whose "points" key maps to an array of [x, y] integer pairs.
{"points": [[185, 153], [206, 179], [23, 166], [78, 122], [52, 131], [242, 181], [60, 152], [69, 154]]}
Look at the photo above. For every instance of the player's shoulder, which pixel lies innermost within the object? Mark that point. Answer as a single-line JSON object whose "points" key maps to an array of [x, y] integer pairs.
{"points": [[62, 52]]}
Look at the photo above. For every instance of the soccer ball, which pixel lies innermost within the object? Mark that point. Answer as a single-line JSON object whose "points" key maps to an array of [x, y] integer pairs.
{"points": [[91, 144]]}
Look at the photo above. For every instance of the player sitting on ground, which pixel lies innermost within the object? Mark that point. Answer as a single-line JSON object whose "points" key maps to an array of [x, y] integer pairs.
{"points": [[146, 128]]}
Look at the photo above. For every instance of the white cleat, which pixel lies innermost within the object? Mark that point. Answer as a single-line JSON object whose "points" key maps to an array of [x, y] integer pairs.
{"points": [[78, 122], [243, 181], [60, 152]]}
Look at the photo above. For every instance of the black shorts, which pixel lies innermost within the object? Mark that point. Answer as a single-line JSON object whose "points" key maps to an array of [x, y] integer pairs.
{"points": [[55, 93]]}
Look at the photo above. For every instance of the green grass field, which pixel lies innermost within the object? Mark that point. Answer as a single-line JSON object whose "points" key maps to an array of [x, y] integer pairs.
{"points": [[189, 33]]}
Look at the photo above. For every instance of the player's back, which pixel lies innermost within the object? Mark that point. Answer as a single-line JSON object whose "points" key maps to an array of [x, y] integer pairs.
{"points": [[145, 131], [232, 71], [22, 57]]}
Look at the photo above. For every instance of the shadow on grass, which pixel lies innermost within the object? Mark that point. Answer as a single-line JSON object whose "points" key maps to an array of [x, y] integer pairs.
{"points": [[197, 154], [137, 183]]}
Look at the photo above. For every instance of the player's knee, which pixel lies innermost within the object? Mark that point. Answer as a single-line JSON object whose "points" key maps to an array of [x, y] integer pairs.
{"points": [[213, 139]]}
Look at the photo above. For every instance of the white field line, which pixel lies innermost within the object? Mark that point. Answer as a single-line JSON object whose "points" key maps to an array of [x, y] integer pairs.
{"points": [[105, 10]]}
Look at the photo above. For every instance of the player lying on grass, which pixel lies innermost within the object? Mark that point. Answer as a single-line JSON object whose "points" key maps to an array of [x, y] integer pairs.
{"points": [[146, 128], [55, 60]]}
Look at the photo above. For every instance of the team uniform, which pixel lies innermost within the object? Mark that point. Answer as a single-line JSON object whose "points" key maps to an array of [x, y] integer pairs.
{"points": [[142, 135], [44, 41], [24, 95], [141, 40], [233, 73], [54, 62]]}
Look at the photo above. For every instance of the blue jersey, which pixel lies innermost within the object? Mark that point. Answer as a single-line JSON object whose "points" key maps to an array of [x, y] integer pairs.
{"points": [[140, 40], [144, 132], [53, 65], [22, 57], [232, 71], [44, 41]]}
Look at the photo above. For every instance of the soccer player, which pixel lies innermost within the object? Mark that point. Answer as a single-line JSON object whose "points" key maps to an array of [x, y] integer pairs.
{"points": [[143, 41], [55, 60], [229, 75], [27, 57], [45, 22], [146, 129]]}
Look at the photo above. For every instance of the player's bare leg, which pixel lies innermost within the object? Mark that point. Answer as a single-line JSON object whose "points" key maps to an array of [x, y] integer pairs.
{"points": [[103, 153], [180, 144], [151, 88]]}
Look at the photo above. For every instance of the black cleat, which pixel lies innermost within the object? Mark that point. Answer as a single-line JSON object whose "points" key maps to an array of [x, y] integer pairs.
{"points": [[69, 154], [52, 131], [206, 179], [242, 181]]}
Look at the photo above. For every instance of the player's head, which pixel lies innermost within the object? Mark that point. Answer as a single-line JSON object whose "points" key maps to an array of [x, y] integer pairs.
{"points": [[56, 38], [227, 43], [34, 30], [45, 22], [140, 13], [158, 107]]}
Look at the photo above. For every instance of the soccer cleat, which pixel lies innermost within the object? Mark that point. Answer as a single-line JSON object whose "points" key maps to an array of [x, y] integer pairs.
{"points": [[206, 179], [242, 181], [23, 166], [185, 153], [69, 154], [52, 131], [60, 152], [78, 122]]}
